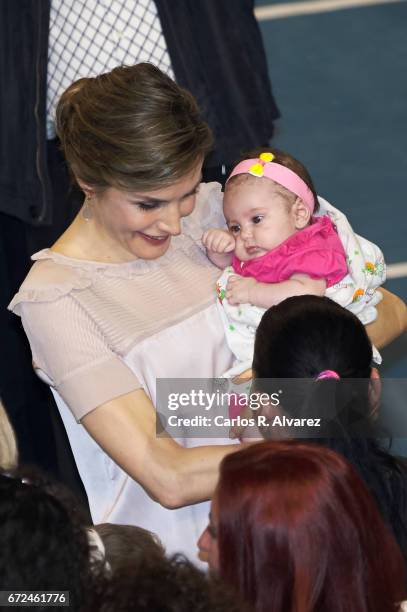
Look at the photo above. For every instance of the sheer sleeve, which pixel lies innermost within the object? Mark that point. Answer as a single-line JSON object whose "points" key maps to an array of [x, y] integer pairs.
{"points": [[70, 354]]}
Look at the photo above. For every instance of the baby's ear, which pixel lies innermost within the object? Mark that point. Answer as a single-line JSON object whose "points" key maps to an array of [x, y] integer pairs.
{"points": [[302, 214]]}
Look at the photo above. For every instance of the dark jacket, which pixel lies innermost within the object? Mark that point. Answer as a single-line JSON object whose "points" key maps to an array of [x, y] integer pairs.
{"points": [[216, 52], [25, 190]]}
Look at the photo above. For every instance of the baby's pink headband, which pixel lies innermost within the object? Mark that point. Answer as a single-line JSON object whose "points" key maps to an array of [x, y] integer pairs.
{"points": [[264, 166]]}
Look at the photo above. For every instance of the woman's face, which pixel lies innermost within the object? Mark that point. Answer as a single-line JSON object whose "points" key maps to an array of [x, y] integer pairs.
{"points": [[208, 541], [141, 224]]}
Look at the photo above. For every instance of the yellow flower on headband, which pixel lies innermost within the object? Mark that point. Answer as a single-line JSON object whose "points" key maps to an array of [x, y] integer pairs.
{"points": [[256, 169], [266, 157]]}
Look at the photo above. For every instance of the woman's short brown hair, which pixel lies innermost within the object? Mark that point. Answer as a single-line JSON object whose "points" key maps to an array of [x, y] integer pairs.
{"points": [[132, 128]]}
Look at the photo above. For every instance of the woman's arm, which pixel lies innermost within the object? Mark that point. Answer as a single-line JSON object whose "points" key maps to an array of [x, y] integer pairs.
{"points": [[243, 290], [391, 320], [107, 397], [173, 475]]}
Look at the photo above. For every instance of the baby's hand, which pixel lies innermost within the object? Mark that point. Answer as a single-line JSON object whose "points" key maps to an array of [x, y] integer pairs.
{"points": [[238, 290], [218, 240]]}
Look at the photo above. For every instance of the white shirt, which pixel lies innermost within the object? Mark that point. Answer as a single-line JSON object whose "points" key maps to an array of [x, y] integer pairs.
{"points": [[90, 37]]}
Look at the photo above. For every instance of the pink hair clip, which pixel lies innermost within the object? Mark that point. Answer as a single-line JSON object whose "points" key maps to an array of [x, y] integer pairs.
{"points": [[328, 374]]}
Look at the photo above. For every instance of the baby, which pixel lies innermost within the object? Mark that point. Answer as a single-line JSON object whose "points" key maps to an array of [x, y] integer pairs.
{"points": [[275, 247]]}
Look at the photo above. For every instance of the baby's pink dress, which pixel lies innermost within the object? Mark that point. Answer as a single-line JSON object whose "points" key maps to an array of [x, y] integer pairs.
{"points": [[316, 251]]}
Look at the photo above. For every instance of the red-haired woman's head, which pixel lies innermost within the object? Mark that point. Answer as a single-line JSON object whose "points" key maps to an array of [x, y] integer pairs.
{"points": [[295, 530]]}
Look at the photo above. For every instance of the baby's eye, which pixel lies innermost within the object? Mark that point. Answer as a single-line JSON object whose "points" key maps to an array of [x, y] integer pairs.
{"points": [[234, 229], [257, 219]]}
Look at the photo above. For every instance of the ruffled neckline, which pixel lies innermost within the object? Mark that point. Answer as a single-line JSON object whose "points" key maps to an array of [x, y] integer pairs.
{"points": [[125, 269], [78, 274]]}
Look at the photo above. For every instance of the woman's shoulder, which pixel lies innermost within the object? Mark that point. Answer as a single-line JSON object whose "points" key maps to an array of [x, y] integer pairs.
{"points": [[208, 211], [49, 279], [210, 197]]}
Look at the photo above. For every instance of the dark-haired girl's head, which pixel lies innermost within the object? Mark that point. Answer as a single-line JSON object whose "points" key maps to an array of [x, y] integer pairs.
{"points": [[296, 530], [302, 340], [318, 356], [306, 335]]}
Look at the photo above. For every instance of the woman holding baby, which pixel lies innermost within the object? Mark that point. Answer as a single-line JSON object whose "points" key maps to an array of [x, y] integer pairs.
{"points": [[126, 296]]}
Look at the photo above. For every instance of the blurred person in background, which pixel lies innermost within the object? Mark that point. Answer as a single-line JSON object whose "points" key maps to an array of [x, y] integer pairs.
{"points": [[293, 528], [43, 540], [167, 585], [128, 543]]}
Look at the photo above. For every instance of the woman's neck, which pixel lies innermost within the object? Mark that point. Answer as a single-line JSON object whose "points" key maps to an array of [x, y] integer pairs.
{"points": [[84, 240]]}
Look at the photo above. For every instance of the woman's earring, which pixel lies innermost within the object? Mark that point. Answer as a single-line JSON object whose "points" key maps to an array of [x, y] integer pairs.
{"points": [[87, 212]]}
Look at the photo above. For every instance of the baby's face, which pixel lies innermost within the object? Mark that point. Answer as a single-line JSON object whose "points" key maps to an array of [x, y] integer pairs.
{"points": [[259, 216]]}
